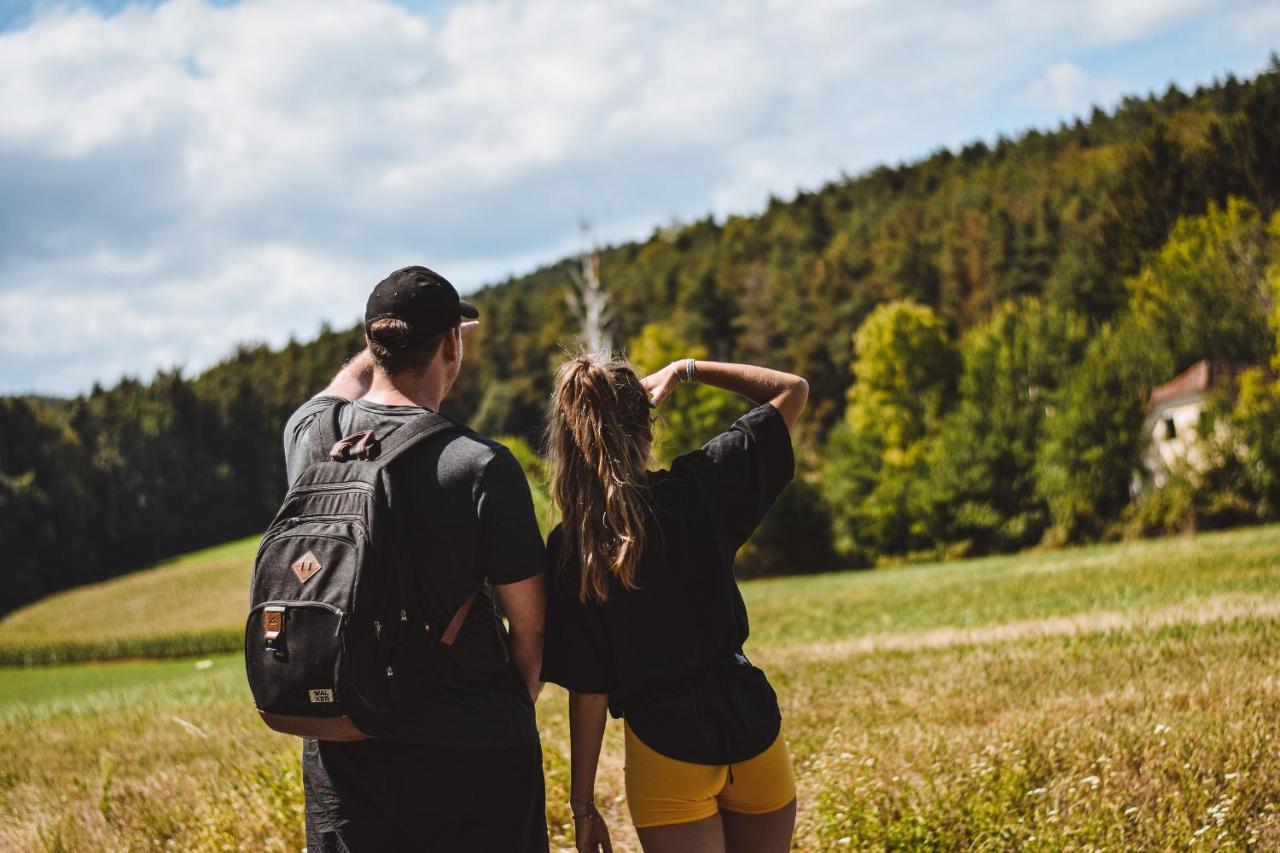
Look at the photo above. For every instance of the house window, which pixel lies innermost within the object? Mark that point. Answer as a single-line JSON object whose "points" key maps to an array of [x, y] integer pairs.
{"points": [[1170, 431]]}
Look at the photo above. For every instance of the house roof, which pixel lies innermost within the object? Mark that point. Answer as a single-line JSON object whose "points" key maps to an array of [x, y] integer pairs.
{"points": [[1196, 379]]}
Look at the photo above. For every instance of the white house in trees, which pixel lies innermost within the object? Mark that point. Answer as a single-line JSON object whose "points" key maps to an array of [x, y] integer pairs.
{"points": [[1173, 417]]}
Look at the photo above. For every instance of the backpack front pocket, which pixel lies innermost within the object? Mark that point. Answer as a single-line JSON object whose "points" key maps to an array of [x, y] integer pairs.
{"points": [[294, 650], [312, 559]]}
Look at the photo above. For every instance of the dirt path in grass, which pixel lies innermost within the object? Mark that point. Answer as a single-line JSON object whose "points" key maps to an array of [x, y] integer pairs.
{"points": [[1221, 608]]}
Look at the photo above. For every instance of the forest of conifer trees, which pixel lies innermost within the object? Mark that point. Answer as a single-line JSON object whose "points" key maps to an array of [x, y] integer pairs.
{"points": [[980, 330]]}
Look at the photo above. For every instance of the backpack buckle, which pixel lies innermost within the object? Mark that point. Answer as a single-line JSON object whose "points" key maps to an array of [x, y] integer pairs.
{"points": [[358, 445], [273, 626]]}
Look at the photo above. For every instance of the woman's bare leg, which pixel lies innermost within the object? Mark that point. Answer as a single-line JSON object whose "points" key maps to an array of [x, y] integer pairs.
{"points": [[759, 833], [701, 836]]}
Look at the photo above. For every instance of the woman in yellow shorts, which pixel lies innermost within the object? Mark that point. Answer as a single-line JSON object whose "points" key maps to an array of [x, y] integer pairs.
{"points": [[645, 620]]}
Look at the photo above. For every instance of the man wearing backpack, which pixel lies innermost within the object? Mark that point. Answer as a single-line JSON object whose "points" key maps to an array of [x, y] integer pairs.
{"points": [[466, 774]]}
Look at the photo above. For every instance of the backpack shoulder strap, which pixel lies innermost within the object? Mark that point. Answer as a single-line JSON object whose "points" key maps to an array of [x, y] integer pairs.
{"points": [[417, 431], [459, 616], [324, 431], [403, 438]]}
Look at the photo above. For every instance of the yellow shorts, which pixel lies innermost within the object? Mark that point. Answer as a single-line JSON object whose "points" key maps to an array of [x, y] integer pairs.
{"points": [[662, 791]]}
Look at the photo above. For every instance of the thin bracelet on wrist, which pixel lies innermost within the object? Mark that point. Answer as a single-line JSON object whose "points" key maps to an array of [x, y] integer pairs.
{"points": [[690, 370], [591, 810]]}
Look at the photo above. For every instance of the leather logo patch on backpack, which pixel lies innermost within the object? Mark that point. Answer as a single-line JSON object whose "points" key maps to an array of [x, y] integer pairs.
{"points": [[273, 621], [306, 566]]}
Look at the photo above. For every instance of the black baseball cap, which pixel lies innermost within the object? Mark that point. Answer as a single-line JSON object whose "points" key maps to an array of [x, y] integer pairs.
{"points": [[422, 298]]}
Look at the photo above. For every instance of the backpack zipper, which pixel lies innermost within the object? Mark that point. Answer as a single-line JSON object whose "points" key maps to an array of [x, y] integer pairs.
{"points": [[295, 603], [273, 536], [304, 535], [329, 516], [330, 487], [294, 521], [300, 602]]}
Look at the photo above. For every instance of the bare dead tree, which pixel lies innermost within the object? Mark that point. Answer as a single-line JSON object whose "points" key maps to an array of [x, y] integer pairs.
{"points": [[589, 302]]}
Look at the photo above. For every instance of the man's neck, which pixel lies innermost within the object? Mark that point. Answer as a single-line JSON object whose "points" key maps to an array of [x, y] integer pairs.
{"points": [[405, 390]]}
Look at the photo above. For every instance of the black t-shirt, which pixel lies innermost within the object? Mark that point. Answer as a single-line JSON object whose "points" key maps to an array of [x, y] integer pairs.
{"points": [[669, 653], [482, 530]]}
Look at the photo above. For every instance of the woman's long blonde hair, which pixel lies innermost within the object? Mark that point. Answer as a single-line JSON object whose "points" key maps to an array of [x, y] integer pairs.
{"points": [[598, 439]]}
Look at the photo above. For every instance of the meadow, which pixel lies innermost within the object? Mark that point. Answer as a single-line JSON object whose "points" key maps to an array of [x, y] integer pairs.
{"points": [[1120, 696], [189, 606]]}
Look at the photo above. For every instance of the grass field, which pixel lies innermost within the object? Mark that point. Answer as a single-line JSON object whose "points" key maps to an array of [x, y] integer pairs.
{"points": [[193, 605], [1119, 697]]}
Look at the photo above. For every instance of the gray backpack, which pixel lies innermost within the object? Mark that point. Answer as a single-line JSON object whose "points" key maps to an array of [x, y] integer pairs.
{"points": [[337, 644]]}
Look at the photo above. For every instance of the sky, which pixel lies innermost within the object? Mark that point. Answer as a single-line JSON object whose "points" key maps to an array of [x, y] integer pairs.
{"points": [[177, 176]]}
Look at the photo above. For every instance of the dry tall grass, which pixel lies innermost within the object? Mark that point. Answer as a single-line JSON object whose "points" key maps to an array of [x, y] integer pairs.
{"points": [[1122, 698]]}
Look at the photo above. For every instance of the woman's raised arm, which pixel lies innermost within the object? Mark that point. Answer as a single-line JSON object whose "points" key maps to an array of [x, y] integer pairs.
{"points": [[787, 392]]}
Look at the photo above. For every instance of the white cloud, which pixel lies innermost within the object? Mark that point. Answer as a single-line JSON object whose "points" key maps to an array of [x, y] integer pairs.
{"points": [[1063, 87], [185, 315], [180, 177], [1132, 19], [1256, 26]]}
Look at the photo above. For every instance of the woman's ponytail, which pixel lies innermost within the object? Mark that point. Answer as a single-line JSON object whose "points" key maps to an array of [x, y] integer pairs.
{"points": [[598, 438]]}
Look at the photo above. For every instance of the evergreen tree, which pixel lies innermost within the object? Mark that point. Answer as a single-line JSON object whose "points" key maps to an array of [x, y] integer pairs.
{"points": [[1075, 218]]}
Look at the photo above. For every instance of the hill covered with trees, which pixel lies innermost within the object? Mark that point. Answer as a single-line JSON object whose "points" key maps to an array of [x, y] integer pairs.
{"points": [[980, 330]]}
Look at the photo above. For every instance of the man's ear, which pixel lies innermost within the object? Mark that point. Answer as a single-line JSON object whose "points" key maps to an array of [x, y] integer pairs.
{"points": [[451, 346]]}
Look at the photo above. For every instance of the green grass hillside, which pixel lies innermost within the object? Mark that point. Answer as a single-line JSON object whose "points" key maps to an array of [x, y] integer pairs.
{"points": [[196, 604], [1117, 697], [193, 605]]}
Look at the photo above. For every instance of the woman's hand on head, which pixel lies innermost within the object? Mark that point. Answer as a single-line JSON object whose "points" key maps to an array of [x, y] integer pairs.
{"points": [[661, 383]]}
